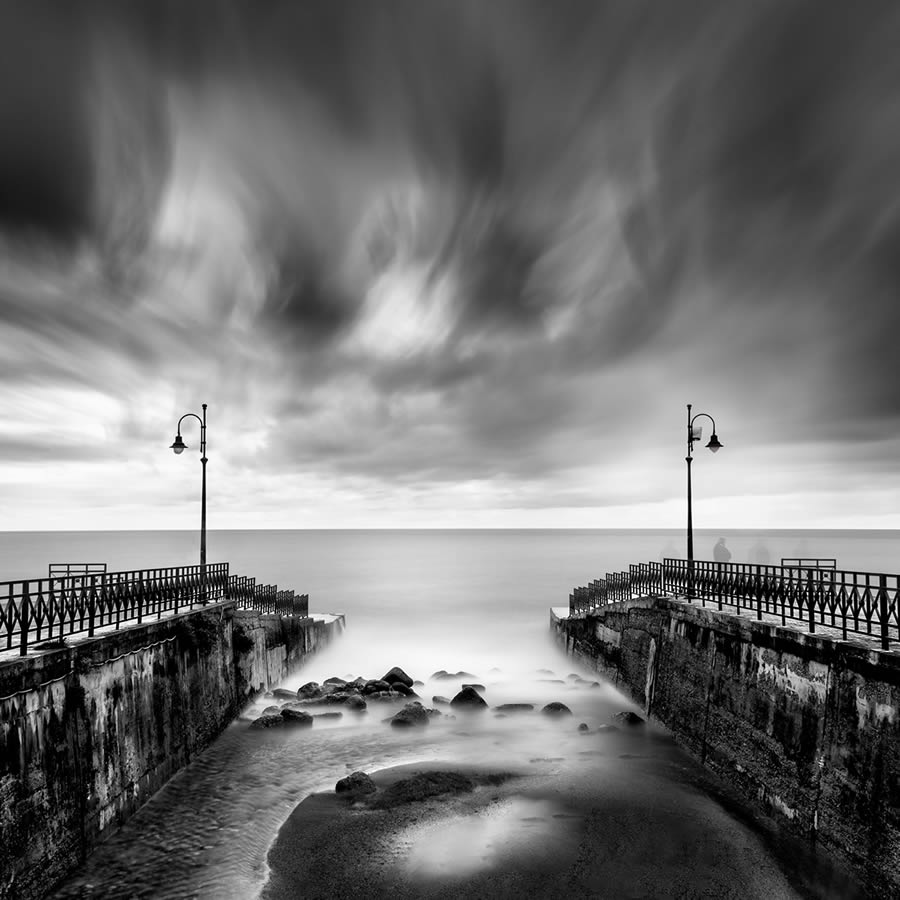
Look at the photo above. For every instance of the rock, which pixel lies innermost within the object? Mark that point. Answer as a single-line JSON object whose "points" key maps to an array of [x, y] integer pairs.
{"points": [[350, 701], [397, 674], [328, 715], [357, 684], [442, 675], [402, 688], [572, 676], [268, 722], [421, 787], [475, 687], [515, 707], [386, 696], [583, 727], [468, 698], [309, 690], [335, 680], [297, 717], [545, 672], [375, 685], [438, 700], [271, 711], [356, 784], [556, 709], [411, 714], [595, 684], [285, 694], [416, 684], [551, 680], [629, 718]]}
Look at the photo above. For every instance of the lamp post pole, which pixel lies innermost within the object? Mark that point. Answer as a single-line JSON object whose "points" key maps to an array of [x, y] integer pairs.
{"points": [[714, 446], [179, 447]]}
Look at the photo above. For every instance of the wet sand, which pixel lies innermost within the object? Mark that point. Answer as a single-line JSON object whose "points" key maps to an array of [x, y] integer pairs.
{"points": [[544, 834]]}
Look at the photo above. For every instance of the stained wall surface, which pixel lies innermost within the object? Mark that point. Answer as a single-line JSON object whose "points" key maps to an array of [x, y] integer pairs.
{"points": [[90, 731], [806, 726]]}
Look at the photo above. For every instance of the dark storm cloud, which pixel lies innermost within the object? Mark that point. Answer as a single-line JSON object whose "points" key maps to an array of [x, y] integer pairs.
{"points": [[596, 184]]}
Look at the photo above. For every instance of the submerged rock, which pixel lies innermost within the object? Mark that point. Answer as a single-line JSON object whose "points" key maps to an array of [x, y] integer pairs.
{"points": [[397, 674], [268, 722], [271, 711], [421, 787], [443, 675], [468, 698], [328, 715], [556, 709], [356, 784], [629, 718], [411, 714], [438, 700], [583, 727], [515, 707], [296, 717], [285, 694]]}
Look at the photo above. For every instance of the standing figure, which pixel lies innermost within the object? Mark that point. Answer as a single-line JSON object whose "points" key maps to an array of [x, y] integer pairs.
{"points": [[720, 552]]}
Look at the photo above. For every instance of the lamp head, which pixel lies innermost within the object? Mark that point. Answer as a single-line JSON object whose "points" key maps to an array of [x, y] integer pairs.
{"points": [[714, 444], [179, 446]]}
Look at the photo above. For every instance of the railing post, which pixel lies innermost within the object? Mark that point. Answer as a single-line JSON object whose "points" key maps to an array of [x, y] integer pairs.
{"points": [[25, 612], [92, 606], [883, 612], [758, 585], [810, 590]]}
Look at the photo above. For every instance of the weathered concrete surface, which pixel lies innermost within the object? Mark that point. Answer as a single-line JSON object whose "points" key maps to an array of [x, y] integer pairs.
{"points": [[806, 726], [90, 732]]}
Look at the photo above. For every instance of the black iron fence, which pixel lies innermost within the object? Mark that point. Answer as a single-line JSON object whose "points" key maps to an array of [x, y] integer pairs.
{"points": [[812, 596], [78, 599], [266, 597]]}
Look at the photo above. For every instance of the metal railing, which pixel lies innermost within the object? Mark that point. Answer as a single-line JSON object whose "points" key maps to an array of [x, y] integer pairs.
{"points": [[71, 602], [46, 609], [808, 596], [267, 598]]}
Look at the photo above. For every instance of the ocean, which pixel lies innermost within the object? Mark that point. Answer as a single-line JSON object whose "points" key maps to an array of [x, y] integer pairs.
{"points": [[461, 600]]}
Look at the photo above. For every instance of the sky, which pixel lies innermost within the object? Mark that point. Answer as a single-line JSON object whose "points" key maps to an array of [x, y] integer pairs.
{"points": [[449, 264]]}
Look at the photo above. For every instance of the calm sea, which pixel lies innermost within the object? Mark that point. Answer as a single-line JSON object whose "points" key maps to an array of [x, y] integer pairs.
{"points": [[459, 600]]}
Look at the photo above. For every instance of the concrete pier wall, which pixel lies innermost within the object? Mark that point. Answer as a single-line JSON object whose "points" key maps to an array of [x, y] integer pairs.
{"points": [[90, 731], [805, 726]]}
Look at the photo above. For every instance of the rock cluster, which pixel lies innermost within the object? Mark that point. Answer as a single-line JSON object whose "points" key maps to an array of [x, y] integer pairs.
{"points": [[338, 695]]}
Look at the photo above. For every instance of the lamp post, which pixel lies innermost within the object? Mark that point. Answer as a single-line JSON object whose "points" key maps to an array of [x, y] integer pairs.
{"points": [[179, 446], [713, 445]]}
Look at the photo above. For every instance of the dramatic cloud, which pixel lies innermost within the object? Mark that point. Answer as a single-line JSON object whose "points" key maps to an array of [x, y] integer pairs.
{"points": [[455, 256]]}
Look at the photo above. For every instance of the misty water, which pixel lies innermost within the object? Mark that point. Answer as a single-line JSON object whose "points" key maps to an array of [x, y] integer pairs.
{"points": [[470, 601]]}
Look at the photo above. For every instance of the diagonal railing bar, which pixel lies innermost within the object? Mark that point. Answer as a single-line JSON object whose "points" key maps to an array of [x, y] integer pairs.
{"points": [[809, 594]]}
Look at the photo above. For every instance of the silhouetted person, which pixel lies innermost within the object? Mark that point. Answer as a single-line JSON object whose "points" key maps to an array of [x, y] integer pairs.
{"points": [[720, 552]]}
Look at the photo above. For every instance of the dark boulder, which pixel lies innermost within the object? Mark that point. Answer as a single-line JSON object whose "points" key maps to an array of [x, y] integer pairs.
{"points": [[440, 675], [356, 784], [468, 698], [411, 714], [421, 787], [375, 685], [397, 674], [268, 722], [475, 687], [335, 680], [296, 717], [584, 727], [402, 688], [309, 690], [629, 718], [285, 694], [515, 707], [438, 700], [271, 711], [556, 709]]}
